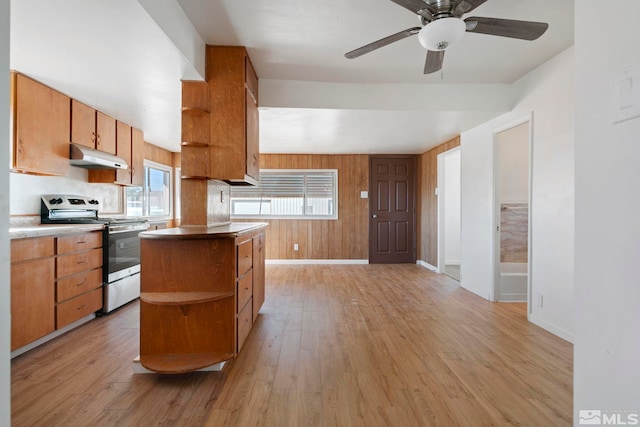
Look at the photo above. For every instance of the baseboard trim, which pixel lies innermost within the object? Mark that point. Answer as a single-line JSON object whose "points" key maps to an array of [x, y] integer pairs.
{"points": [[52, 335], [565, 335], [427, 265], [315, 261], [513, 297]]}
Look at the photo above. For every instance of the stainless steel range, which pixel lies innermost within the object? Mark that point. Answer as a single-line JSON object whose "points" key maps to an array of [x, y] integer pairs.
{"points": [[120, 243]]}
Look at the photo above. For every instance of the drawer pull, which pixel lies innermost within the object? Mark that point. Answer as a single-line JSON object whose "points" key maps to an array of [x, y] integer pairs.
{"points": [[82, 307], [82, 283], [81, 243], [84, 261]]}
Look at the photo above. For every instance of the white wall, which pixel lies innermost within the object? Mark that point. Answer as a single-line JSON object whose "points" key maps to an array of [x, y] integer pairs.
{"points": [[27, 189], [513, 149], [548, 92], [452, 207], [5, 297], [607, 267]]}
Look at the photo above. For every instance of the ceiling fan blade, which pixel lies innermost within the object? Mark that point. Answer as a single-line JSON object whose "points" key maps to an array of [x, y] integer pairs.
{"points": [[525, 30], [416, 6], [434, 61], [382, 42], [466, 6]]}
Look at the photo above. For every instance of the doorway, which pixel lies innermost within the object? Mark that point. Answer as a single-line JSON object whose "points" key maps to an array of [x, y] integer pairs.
{"points": [[449, 213], [392, 186], [512, 155]]}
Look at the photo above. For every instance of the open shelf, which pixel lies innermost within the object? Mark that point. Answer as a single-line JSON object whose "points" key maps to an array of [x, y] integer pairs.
{"points": [[182, 298], [180, 363]]}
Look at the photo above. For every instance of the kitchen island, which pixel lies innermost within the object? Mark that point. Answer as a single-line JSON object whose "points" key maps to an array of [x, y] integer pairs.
{"points": [[201, 291]]}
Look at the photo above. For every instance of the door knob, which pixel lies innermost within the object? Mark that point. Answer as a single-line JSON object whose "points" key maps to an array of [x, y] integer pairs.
{"points": [[374, 216]]}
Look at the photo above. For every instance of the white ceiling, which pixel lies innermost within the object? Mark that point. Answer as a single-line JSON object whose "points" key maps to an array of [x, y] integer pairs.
{"points": [[127, 57]]}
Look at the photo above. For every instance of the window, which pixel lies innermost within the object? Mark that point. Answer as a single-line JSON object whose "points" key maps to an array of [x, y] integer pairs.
{"points": [[153, 199], [289, 193]]}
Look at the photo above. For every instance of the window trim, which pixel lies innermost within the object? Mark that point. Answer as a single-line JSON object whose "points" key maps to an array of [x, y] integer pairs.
{"points": [[302, 217]]}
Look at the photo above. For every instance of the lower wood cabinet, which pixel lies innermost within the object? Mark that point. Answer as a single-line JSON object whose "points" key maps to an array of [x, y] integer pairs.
{"points": [[54, 282], [197, 285], [32, 290]]}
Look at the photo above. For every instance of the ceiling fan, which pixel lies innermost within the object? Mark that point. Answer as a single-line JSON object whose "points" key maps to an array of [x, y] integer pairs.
{"points": [[442, 26]]}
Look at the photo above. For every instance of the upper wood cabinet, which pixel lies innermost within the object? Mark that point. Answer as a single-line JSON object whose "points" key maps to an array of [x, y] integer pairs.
{"points": [[83, 124], [41, 120], [123, 150], [137, 157], [92, 128], [220, 119], [129, 147], [105, 133]]}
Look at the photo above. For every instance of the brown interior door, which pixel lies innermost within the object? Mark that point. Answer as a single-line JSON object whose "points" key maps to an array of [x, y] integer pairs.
{"points": [[391, 210]]}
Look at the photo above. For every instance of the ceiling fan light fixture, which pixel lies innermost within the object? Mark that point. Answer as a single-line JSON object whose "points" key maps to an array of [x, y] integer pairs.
{"points": [[441, 33]]}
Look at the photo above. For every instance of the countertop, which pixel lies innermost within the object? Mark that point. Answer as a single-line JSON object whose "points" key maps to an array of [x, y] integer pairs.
{"points": [[51, 230], [234, 229]]}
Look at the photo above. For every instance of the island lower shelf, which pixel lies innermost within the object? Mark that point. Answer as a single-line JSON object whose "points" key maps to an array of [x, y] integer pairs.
{"points": [[182, 298], [200, 295]]}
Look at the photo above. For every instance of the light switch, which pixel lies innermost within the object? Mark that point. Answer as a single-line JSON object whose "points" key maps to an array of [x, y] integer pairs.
{"points": [[625, 93], [364, 194]]}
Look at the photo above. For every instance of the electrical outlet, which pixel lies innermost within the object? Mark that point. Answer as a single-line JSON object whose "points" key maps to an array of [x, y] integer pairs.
{"points": [[295, 246]]}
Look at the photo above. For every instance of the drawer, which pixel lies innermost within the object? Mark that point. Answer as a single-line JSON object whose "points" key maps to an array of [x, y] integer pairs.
{"points": [[24, 249], [245, 289], [245, 321], [78, 307], [245, 257], [79, 242], [77, 284], [77, 262]]}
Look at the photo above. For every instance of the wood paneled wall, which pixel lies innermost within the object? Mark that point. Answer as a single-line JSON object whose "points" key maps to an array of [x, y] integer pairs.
{"points": [[344, 238], [428, 202], [158, 154]]}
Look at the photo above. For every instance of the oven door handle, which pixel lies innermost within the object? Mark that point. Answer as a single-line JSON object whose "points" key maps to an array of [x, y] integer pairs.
{"points": [[125, 229]]}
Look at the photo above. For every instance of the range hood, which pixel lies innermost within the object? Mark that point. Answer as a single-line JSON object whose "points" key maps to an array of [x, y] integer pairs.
{"points": [[89, 158]]}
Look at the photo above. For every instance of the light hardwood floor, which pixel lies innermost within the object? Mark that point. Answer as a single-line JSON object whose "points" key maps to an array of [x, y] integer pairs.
{"points": [[356, 345]]}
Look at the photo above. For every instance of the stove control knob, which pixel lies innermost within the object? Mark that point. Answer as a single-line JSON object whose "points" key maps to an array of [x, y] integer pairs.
{"points": [[55, 201], [58, 200], [93, 202]]}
